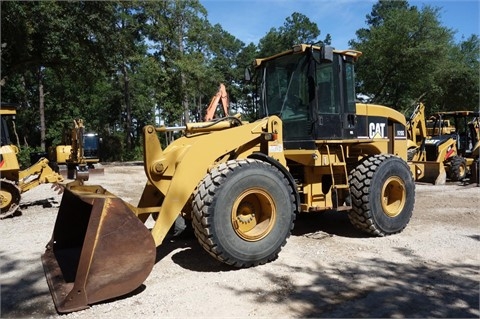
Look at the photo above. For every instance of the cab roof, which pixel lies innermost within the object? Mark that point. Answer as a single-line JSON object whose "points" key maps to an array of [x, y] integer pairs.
{"points": [[8, 108], [304, 47]]}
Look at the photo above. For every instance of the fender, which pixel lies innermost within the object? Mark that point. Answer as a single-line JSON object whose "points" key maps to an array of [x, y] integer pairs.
{"points": [[275, 163], [177, 170]]}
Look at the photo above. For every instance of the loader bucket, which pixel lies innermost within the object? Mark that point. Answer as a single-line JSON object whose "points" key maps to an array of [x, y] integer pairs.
{"points": [[432, 173], [99, 250]]}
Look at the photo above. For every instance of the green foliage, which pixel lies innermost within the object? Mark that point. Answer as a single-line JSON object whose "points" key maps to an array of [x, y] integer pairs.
{"points": [[120, 65], [296, 29], [409, 56], [136, 154], [112, 148], [26, 154], [457, 81]]}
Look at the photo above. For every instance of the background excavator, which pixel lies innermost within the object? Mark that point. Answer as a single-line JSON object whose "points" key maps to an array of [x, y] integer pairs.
{"points": [[15, 181], [313, 148], [222, 96], [78, 155]]}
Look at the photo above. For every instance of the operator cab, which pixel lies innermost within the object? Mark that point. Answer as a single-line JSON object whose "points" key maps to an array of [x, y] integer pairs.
{"points": [[462, 126], [7, 110], [5, 136], [312, 89], [90, 145]]}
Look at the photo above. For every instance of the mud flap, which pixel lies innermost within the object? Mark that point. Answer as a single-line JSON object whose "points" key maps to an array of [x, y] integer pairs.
{"points": [[99, 250]]}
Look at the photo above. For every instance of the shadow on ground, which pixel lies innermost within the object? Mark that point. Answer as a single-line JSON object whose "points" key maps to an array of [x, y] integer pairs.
{"points": [[384, 290], [22, 298], [329, 222], [194, 257], [370, 288]]}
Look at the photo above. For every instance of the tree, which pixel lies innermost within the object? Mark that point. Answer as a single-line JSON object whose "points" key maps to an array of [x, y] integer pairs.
{"points": [[382, 9], [116, 65], [407, 55], [44, 44], [457, 81], [177, 31], [295, 30]]}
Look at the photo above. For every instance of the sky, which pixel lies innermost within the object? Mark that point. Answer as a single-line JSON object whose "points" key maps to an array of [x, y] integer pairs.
{"points": [[250, 20]]}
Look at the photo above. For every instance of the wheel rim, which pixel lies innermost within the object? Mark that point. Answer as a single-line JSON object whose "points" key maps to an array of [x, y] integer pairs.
{"points": [[5, 199], [461, 170], [253, 214], [393, 196]]}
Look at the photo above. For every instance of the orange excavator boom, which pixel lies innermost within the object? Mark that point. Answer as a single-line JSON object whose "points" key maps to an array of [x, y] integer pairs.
{"points": [[220, 95]]}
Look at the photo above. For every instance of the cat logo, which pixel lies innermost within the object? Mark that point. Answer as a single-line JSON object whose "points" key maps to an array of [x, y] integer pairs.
{"points": [[376, 130]]}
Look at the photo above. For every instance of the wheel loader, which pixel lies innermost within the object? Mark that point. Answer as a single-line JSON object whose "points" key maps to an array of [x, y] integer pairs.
{"points": [[313, 148], [14, 181]]}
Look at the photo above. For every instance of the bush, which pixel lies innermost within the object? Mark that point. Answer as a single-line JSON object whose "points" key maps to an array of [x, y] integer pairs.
{"points": [[29, 155]]}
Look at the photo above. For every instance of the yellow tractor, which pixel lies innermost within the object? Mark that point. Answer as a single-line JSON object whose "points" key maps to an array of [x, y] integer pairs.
{"points": [[463, 128], [14, 181], [432, 146], [313, 148]]}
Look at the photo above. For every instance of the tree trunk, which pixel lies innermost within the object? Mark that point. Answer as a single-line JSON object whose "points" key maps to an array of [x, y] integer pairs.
{"points": [[186, 111], [41, 98], [128, 107]]}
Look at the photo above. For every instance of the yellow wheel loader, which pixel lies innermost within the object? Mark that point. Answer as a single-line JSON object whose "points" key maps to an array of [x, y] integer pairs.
{"points": [[313, 148], [14, 181]]}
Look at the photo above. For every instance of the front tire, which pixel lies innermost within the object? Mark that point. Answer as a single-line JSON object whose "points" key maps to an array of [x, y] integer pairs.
{"points": [[411, 152], [474, 170], [383, 195], [9, 198], [243, 212], [458, 169]]}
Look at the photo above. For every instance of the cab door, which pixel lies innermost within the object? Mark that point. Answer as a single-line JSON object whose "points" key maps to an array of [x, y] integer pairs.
{"points": [[328, 121], [348, 99], [335, 96]]}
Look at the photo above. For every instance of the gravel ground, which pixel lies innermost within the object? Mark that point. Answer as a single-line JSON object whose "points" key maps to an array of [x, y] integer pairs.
{"points": [[327, 268]]}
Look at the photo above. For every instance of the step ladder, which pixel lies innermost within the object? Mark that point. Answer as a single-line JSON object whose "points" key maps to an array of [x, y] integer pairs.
{"points": [[339, 174]]}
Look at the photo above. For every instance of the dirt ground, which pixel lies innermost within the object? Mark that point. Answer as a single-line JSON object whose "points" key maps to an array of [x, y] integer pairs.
{"points": [[326, 269]]}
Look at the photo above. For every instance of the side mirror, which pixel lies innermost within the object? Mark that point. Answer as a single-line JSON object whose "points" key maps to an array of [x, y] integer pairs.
{"points": [[327, 53], [248, 74]]}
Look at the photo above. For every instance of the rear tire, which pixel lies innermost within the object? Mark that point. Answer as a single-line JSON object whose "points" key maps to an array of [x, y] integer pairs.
{"points": [[383, 195], [458, 169], [243, 212]]}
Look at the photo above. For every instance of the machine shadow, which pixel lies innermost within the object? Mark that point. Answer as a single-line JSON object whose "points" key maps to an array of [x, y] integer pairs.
{"points": [[45, 203], [330, 222], [190, 255]]}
